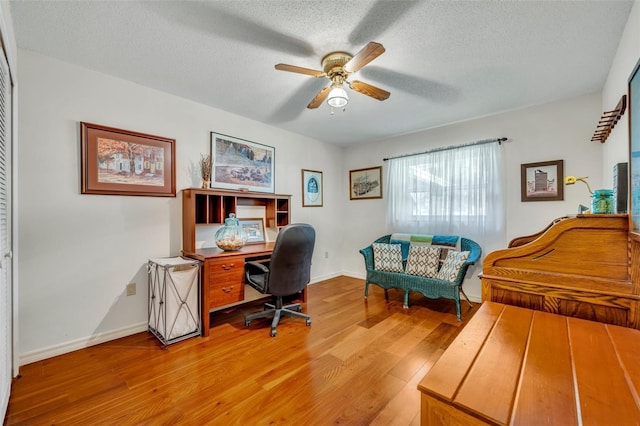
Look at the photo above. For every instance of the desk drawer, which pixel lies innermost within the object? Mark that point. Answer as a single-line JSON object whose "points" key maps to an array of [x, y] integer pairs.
{"points": [[224, 293], [226, 281]]}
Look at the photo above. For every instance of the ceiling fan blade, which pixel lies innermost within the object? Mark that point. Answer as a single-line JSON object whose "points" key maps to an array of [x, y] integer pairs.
{"points": [[369, 90], [367, 54], [320, 97], [300, 70]]}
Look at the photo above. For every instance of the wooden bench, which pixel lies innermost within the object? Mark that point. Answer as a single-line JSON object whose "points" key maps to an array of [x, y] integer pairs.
{"points": [[516, 366]]}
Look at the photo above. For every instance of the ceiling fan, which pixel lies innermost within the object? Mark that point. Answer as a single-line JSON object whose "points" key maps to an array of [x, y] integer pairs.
{"points": [[336, 67]]}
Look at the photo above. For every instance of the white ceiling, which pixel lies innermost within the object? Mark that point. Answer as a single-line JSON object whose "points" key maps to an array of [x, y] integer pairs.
{"points": [[445, 61]]}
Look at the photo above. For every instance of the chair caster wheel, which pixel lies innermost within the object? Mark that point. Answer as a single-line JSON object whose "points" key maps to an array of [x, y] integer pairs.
{"points": [[273, 333], [247, 323], [308, 322]]}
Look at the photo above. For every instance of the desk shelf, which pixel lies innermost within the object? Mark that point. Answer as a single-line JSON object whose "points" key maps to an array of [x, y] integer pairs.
{"points": [[212, 207]]}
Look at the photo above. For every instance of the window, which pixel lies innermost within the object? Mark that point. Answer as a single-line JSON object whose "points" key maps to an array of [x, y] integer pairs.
{"points": [[453, 191]]}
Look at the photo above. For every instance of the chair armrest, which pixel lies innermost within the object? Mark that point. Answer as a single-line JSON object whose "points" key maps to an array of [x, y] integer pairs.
{"points": [[256, 267], [473, 248], [367, 253]]}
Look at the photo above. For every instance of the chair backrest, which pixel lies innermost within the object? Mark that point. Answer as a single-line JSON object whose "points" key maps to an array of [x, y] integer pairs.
{"points": [[290, 265]]}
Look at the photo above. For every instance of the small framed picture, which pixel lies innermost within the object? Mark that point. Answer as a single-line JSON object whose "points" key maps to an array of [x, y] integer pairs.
{"points": [[311, 188], [254, 228], [365, 183], [543, 181]]}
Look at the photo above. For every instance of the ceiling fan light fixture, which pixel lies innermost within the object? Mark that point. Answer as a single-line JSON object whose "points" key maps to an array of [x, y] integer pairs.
{"points": [[338, 97]]}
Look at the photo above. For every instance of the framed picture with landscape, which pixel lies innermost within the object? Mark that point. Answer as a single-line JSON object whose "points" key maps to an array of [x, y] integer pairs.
{"points": [[123, 162], [542, 181], [241, 165], [634, 151], [365, 183]]}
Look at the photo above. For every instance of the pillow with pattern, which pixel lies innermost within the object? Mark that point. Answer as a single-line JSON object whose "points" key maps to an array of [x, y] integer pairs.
{"points": [[423, 260], [387, 257], [452, 264]]}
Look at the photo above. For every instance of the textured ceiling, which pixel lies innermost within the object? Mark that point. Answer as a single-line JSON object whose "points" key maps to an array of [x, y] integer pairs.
{"points": [[445, 61]]}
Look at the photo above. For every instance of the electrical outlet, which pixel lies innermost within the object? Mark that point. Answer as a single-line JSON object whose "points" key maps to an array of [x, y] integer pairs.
{"points": [[131, 289]]}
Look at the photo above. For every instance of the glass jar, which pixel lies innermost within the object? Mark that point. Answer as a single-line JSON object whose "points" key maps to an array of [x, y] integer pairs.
{"points": [[231, 236], [602, 202]]}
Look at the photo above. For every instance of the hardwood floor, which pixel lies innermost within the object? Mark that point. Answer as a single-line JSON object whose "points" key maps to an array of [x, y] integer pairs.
{"points": [[358, 363]]}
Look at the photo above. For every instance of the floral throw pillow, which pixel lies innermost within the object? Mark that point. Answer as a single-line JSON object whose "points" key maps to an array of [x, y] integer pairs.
{"points": [[387, 257], [452, 264], [423, 260]]}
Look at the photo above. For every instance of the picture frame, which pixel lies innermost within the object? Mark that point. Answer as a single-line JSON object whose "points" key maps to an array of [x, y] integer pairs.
{"points": [[542, 181], [241, 165], [123, 162], [312, 188], [365, 183], [254, 228], [634, 151]]}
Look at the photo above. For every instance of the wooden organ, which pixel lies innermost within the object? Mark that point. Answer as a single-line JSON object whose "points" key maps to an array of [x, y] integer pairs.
{"points": [[584, 266]]}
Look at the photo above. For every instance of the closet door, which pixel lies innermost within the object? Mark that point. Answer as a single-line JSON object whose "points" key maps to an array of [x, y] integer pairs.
{"points": [[6, 283]]}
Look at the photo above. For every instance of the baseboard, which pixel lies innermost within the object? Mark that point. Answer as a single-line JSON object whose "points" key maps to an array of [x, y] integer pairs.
{"points": [[324, 277], [81, 343], [63, 348]]}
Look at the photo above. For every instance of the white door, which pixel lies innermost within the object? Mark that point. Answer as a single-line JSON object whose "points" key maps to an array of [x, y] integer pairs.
{"points": [[6, 294]]}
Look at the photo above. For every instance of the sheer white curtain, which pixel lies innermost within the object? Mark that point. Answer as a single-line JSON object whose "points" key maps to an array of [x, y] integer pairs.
{"points": [[453, 191]]}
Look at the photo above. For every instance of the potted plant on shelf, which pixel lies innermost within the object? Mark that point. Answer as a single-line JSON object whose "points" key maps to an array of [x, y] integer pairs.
{"points": [[205, 170]]}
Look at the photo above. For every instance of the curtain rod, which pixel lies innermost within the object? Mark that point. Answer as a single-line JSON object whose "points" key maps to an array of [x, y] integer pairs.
{"points": [[445, 148]]}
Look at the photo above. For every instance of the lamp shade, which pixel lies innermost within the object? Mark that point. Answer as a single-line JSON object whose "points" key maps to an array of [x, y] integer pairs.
{"points": [[338, 97]]}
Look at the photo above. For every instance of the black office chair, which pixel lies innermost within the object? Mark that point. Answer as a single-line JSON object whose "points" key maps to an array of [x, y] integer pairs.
{"points": [[286, 274]]}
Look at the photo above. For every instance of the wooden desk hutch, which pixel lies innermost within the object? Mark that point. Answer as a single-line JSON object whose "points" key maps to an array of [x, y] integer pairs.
{"points": [[222, 279]]}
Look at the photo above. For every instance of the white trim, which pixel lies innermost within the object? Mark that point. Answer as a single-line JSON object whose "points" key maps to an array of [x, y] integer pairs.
{"points": [[82, 343], [324, 277]]}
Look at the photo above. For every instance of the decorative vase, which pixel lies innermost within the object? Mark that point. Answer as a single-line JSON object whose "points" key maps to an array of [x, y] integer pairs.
{"points": [[602, 202], [231, 236], [206, 184]]}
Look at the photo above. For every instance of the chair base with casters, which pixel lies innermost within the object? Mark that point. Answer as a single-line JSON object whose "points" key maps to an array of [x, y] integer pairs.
{"points": [[277, 310]]}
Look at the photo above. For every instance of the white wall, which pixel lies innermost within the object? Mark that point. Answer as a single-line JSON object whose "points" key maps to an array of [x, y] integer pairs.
{"points": [[555, 131], [616, 148], [78, 252]]}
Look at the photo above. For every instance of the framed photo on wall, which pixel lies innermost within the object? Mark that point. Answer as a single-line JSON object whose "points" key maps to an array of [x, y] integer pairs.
{"points": [[123, 162], [312, 188], [634, 151], [542, 181], [365, 183], [241, 165]]}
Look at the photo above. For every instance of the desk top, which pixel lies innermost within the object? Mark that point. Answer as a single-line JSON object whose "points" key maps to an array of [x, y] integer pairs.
{"points": [[248, 250], [511, 365]]}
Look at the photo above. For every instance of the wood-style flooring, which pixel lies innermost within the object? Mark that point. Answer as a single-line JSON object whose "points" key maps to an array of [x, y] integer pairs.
{"points": [[358, 364]]}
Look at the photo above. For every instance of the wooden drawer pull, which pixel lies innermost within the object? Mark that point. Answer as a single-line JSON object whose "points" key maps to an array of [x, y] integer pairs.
{"points": [[227, 290], [227, 267]]}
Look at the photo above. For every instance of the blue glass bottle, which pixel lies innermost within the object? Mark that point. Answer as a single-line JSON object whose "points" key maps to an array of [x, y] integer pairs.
{"points": [[231, 236], [602, 202]]}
